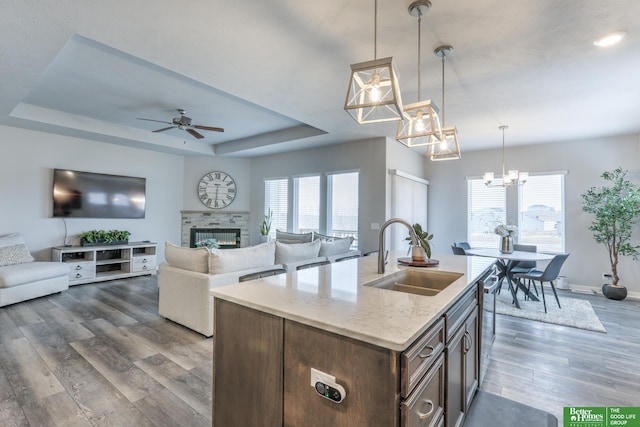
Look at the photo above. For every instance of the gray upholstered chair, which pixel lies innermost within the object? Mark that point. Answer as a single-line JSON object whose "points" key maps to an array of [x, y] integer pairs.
{"points": [[549, 274], [463, 245], [458, 250], [515, 267], [261, 274]]}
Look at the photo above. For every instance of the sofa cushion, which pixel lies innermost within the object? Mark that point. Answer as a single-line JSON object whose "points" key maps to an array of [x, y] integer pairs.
{"points": [[337, 246], [285, 237], [229, 260], [289, 252], [322, 237], [14, 254], [11, 239], [192, 259], [19, 274]]}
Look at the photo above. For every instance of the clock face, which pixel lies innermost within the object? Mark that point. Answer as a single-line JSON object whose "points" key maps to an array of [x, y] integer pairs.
{"points": [[217, 190]]}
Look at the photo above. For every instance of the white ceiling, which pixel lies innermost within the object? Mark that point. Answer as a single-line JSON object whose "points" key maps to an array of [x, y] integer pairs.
{"points": [[274, 73]]}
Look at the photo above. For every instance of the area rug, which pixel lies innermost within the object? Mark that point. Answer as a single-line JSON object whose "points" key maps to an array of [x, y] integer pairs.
{"points": [[577, 313]]}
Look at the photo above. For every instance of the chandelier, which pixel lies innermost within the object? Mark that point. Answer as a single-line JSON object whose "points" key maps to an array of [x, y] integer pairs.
{"points": [[512, 177]]}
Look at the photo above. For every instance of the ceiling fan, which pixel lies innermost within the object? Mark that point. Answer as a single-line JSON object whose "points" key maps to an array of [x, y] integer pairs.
{"points": [[183, 122]]}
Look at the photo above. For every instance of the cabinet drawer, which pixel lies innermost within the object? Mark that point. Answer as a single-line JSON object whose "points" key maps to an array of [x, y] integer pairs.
{"points": [[81, 270], [425, 406], [418, 358], [457, 314], [142, 263]]}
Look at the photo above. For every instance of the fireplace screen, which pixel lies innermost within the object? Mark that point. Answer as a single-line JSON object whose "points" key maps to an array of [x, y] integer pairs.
{"points": [[226, 237]]}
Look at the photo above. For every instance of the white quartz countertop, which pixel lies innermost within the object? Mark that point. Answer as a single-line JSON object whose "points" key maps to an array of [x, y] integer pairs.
{"points": [[335, 298]]}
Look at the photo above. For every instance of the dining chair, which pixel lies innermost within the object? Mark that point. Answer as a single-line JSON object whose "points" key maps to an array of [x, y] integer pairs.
{"points": [[458, 250], [549, 274], [312, 264], [463, 245], [344, 258], [261, 274], [524, 266]]}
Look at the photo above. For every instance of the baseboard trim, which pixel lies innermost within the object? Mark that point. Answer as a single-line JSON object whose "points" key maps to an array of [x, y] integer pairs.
{"points": [[598, 291]]}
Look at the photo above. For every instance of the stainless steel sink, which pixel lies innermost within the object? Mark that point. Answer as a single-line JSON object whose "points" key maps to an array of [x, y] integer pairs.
{"points": [[419, 282]]}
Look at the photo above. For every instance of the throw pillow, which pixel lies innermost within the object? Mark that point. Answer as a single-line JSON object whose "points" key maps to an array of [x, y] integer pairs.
{"points": [[285, 237], [286, 253], [337, 246], [230, 260], [193, 259], [11, 239], [14, 254], [322, 237]]}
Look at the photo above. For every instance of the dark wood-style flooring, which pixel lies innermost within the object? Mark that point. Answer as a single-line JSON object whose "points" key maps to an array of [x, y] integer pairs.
{"points": [[549, 366], [99, 354]]}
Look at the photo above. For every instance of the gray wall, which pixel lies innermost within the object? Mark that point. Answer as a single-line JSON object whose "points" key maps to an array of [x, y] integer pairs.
{"points": [[584, 161], [26, 162], [368, 157], [197, 167]]}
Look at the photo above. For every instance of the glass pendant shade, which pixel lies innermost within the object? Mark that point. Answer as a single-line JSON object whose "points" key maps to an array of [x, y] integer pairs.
{"points": [[373, 95], [421, 125], [447, 148]]}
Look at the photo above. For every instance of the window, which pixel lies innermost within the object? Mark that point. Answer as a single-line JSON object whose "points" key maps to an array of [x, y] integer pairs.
{"points": [[342, 205], [306, 204], [486, 208], [541, 213], [276, 193]]}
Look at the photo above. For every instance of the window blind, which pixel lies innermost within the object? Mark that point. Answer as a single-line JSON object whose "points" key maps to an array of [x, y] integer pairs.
{"points": [[276, 193], [342, 205], [306, 206], [541, 212], [486, 208]]}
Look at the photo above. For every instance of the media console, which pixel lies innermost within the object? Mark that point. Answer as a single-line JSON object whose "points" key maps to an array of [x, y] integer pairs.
{"points": [[108, 262]]}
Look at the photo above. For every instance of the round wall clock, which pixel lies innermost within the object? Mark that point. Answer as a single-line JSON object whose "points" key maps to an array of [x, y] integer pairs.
{"points": [[217, 190]]}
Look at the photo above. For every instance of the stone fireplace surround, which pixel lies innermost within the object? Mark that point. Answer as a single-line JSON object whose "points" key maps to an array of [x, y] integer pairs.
{"points": [[215, 219]]}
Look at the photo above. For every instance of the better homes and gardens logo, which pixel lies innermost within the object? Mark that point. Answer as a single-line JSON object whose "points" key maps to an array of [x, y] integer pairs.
{"points": [[585, 416]]}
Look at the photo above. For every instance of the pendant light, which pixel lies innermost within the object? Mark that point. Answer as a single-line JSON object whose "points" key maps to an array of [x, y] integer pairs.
{"points": [[422, 124], [373, 95], [512, 177], [448, 147]]}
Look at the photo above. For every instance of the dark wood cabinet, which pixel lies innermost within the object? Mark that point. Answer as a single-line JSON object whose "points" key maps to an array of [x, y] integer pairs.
{"points": [[262, 372], [247, 367], [368, 373], [462, 360]]}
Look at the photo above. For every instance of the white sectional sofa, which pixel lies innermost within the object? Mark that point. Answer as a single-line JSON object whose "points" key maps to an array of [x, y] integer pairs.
{"points": [[188, 274], [22, 278]]}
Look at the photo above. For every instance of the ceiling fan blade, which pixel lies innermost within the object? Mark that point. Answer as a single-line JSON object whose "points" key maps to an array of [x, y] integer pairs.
{"points": [[194, 133], [151, 120], [163, 129], [208, 128]]}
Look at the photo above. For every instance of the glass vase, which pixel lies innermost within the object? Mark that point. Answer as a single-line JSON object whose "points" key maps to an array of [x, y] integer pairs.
{"points": [[506, 245]]}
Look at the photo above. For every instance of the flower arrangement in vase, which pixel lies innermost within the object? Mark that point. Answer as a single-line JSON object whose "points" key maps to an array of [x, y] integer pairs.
{"points": [[506, 231]]}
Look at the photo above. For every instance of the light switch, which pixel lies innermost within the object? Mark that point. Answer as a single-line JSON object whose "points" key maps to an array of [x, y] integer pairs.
{"points": [[375, 226]]}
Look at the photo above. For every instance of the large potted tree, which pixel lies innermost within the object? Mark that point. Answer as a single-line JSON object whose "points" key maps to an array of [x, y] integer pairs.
{"points": [[616, 209]]}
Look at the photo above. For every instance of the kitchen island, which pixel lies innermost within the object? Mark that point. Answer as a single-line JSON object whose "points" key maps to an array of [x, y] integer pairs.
{"points": [[393, 353]]}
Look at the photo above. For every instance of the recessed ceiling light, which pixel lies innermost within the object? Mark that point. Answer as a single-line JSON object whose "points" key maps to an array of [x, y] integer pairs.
{"points": [[610, 39]]}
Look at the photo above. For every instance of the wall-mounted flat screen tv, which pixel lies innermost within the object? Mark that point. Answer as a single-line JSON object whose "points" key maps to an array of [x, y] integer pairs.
{"points": [[79, 194]]}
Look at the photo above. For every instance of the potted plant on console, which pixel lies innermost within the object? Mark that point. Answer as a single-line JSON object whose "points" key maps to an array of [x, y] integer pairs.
{"points": [[616, 210], [104, 237], [265, 225]]}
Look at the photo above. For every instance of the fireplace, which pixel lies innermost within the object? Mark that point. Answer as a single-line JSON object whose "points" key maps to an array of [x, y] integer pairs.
{"points": [[227, 237], [215, 220]]}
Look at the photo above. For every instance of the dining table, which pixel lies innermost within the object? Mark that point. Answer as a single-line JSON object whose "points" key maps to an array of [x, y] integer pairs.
{"points": [[505, 265]]}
